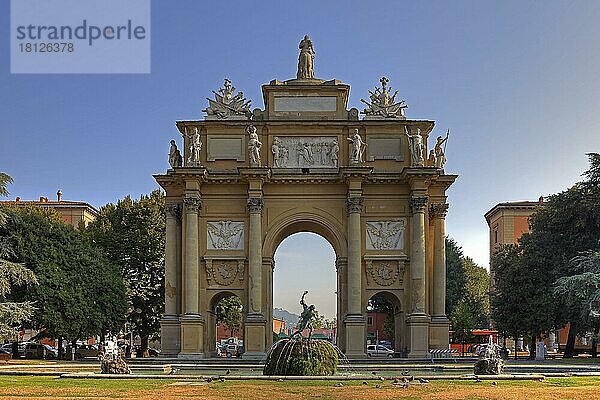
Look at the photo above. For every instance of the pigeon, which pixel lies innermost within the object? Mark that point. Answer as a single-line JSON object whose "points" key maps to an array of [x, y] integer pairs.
{"points": [[423, 380], [478, 380], [209, 380], [405, 373], [227, 372], [374, 372], [279, 380], [339, 384], [221, 380], [494, 383], [365, 383], [378, 386], [173, 371], [381, 378]]}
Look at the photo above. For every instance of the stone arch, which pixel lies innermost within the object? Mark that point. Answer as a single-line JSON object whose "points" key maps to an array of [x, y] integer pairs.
{"points": [[395, 298], [214, 298], [315, 221]]}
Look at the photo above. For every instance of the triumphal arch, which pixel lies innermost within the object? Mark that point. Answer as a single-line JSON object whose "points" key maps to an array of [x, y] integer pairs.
{"points": [[365, 181]]}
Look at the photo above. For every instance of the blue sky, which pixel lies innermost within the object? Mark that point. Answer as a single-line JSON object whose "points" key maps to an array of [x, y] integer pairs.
{"points": [[515, 81]]}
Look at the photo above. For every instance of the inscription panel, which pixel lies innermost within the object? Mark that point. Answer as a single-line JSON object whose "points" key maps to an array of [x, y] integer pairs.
{"points": [[384, 148], [220, 148], [306, 103]]}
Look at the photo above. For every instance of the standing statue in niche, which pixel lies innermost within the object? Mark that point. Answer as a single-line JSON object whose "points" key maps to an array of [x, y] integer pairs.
{"points": [[415, 143], [175, 159], [358, 148], [308, 314], [195, 147], [276, 153], [254, 146], [306, 59], [440, 152]]}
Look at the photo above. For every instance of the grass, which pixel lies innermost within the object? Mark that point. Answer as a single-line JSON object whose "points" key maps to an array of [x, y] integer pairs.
{"points": [[54, 388]]}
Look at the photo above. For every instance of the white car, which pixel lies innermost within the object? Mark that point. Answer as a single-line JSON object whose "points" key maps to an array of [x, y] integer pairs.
{"points": [[376, 350]]}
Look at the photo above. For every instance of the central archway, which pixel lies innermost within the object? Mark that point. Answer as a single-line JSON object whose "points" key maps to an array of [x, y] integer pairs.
{"points": [[325, 225], [305, 261]]}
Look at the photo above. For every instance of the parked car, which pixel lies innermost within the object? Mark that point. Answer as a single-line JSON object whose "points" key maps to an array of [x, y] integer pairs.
{"points": [[376, 350], [83, 351], [38, 350], [232, 350]]}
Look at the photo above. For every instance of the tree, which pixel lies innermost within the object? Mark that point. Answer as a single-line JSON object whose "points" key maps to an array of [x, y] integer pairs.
{"points": [[80, 294], [467, 286], [583, 291], [509, 310], [12, 313], [463, 323], [455, 275], [565, 225], [131, 234], [229, 313]]}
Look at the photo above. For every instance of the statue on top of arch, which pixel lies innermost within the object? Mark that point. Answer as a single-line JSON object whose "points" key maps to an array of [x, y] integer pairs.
{"points": [[227, 105], [382, 104], [306, 59]]}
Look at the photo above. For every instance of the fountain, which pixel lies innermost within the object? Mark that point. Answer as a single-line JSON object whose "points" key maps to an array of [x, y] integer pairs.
{"points": [[490, 362], [300, 356]]}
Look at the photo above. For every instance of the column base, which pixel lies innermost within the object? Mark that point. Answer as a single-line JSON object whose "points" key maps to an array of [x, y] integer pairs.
{"points": [[192, 336], [356, 341], [418, 326], [255, 329], [439, 337], [170, 336]]}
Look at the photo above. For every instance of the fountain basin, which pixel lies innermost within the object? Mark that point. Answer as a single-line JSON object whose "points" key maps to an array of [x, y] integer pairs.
{"points": [[301, 356]]}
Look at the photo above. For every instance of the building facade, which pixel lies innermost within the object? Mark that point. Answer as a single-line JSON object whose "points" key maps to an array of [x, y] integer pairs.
{"points": [[75, 213], [304, 163]]}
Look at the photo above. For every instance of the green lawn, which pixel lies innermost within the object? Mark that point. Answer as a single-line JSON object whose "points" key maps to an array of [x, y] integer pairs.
{"points": [[583, 388]]}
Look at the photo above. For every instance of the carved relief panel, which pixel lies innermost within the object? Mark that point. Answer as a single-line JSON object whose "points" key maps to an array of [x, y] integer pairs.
{"points": [[224, 272], [305, 152], [384, 272], [385, 235], [225, 235]]}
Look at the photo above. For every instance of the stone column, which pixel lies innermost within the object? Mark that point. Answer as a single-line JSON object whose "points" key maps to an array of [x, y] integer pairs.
{"points": [[439, 321], [192, 323], [169, 324], [255, 324], [418, 319], [341, 266], [173, 214], [192, 206], [354, 321]]}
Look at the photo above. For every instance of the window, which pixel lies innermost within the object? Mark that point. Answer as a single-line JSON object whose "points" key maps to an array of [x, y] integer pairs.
{"points": [[496, 235], [370, 321]]}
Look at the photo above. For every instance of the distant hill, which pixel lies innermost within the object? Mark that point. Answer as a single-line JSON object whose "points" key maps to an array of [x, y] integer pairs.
{"points": [[291, 320]]}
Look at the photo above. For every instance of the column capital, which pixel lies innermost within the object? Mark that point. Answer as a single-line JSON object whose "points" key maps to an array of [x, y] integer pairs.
{"points": [[173, 210], [192, 204], [354, 204], [418, 204], [438, 210], [255, 205]]}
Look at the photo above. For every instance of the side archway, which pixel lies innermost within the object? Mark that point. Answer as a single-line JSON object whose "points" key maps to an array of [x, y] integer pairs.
{"points": [[386, 319]]}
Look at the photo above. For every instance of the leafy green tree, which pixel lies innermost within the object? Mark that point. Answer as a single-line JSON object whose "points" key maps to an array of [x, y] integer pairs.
{"points": [[583, 291], [464, 322], [131, 234], [467, 285], [12, 313], [509, 310], [566, 225], [229, 313], [476, 291], [80, 294], [455, 275]]}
